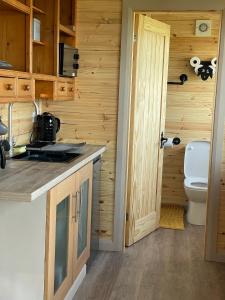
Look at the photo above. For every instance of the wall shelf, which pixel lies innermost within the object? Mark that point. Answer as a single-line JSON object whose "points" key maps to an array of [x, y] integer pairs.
{"points": [[17, 5], [34, 60], [38, 43], [38, 10], [66, 30]]}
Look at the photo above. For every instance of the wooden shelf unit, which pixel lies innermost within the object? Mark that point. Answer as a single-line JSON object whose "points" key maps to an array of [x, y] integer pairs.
{"points": [[16, 5], [38, 10], [38, 60], [66, 30], [38, 43]]}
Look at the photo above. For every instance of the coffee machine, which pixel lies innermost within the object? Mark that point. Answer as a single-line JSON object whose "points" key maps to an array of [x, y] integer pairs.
{"points": [[45, 128]]}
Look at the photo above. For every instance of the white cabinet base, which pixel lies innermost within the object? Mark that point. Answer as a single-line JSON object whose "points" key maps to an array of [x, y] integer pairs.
{"points": [[22, 249]]}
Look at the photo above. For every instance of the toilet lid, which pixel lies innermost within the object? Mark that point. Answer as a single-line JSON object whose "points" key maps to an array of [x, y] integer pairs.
{"points": [[196, 159]]}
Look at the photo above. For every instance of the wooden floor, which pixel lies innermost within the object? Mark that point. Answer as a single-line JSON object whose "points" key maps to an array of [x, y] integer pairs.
{"points": [[167, 265]]}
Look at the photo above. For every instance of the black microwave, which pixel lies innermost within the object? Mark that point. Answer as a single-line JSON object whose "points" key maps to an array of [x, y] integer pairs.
{"points": [[68, 60]]}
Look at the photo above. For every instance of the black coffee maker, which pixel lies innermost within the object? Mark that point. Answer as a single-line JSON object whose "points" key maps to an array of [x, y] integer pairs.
{"points": [[45, 129]]}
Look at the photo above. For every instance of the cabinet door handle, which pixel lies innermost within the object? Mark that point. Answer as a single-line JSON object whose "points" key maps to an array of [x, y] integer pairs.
{"points": [[9, 87], [80, 202], [27, 87], [63, 89], [77, 210]]}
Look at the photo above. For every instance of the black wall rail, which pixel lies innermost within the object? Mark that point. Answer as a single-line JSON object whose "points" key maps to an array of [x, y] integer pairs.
{"points": [[183, 79]]}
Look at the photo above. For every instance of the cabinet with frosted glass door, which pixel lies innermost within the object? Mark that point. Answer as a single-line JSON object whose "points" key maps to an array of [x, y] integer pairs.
{"points": [[59, 227], [82, 226], [68, 232]]}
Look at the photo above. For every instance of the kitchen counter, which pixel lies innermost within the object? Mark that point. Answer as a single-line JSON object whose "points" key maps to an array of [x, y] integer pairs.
{"points": [[27, 180]]}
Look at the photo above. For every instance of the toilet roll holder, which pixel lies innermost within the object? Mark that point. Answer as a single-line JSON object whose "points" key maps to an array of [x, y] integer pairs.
{"points": [[164, 140]]}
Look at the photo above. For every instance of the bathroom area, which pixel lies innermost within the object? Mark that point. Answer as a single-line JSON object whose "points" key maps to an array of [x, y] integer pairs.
{"points": [[194, 49]]}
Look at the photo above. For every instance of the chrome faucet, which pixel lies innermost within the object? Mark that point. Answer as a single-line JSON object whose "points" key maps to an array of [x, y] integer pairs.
{"points": [[37, 108], [10, 126]]}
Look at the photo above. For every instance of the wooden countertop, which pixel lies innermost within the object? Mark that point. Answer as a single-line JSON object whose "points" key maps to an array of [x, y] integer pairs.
{"points": [[27, 180]]}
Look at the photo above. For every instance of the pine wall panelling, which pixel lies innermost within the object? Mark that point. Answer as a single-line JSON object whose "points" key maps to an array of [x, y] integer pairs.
{"points": [[221, 214], [93, 116], [22, 120]]}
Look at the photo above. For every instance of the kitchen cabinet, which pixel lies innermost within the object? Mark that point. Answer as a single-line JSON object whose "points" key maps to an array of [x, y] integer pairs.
{"points": [[58, 274], [44, 207], [35, 59], [16, 89], [64, 90], [7, 87], [82, 224], [68, 232]]}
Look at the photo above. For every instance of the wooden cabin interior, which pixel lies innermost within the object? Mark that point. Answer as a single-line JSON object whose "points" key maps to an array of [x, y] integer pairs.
{"points": [[112, 178]]}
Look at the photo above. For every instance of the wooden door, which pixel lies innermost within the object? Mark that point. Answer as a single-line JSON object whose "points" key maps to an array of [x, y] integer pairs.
{"points": [[59, 242], [82, 224], [147, 121]]}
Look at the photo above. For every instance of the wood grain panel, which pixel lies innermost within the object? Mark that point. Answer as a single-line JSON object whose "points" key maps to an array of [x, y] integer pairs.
{"points": [[189, 107], [13, 45], [147, 121], [22, 121], [93, 115], [221, 214]]}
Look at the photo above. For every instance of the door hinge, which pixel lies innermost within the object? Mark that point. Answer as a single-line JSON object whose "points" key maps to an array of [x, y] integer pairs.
{"points": [[127, 217], [135, 38]]}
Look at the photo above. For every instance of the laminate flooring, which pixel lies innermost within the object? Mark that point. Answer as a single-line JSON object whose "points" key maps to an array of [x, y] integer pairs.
{"points": [[166, 265]]}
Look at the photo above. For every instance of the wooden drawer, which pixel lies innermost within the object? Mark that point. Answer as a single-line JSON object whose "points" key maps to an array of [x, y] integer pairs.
{"points": [[61, 89], [70, 90], [7, 87], [25, 88]]}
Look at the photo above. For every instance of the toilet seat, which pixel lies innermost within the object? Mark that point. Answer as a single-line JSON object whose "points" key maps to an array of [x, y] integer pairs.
{"points": [[196, 183]]}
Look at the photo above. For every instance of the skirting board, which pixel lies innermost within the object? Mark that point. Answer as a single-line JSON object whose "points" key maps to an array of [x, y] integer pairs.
{"points": [[219, 257], [77, 283], [108, 245]]}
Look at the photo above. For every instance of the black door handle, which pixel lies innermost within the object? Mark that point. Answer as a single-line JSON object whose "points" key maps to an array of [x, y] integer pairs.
{"points": [[163, 140]]}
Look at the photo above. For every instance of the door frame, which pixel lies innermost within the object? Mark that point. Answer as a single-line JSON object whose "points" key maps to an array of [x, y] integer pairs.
{"points": [[129, 8]]}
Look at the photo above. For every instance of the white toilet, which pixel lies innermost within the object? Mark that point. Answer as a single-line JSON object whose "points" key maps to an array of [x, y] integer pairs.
{"points": [[196, 167]]}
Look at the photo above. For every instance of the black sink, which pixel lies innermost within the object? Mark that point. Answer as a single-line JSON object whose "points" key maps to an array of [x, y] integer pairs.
{"points": [[43, 156]]}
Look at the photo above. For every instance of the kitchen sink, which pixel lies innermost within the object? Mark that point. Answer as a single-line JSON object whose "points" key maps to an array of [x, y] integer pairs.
{"points": [[43, 156]]}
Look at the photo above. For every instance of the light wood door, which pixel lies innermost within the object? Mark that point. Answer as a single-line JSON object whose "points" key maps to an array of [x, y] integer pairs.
{"points": [[82, 224], [59, 242], [147, 121]]}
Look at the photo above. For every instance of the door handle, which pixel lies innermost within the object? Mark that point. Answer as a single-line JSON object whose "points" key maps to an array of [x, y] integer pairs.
{"points": [[76, 212], [163, 140], [78, 197], [80, 202]]}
